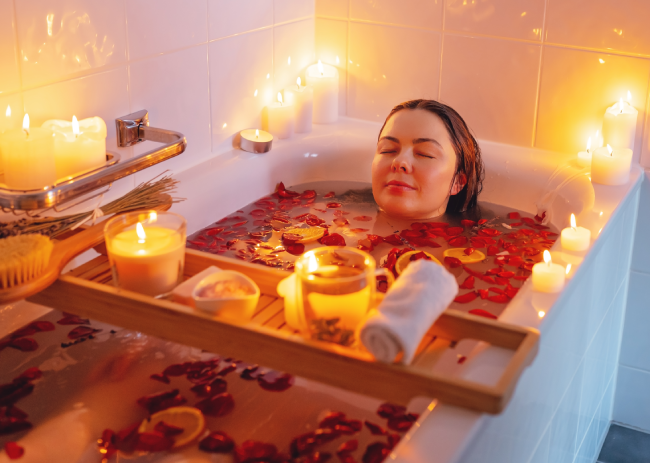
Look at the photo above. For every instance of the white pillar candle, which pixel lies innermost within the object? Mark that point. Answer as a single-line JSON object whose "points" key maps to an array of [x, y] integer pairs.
{"points": [[302, 99], [325, 81], [611, 166], [619, 125], [280, 117], [79, 146], [28, 157], [255, 141], [584, 157], [575, 238], [547, 276]]}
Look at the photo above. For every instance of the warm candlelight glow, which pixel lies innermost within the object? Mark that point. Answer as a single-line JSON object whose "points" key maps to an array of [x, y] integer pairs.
{"points": [[609, 148], [620, 104], [26, 124], [75, 126], [320, 67], [8, 111], [257, 133], [541, 314], [312, 263], [298, 82], [139, 229], [153, 216], [280, 97], [573, 221], [568, 268], [589, 144], [547, 257], [629, 97]]}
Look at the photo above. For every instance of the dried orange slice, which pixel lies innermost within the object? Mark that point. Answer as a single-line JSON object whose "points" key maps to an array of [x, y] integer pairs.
{"points": [[459, 253], [405, 259], [307, 235], [190, 419]]}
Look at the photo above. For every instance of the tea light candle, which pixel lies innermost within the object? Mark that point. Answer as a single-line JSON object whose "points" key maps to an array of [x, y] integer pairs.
{"points": [[79, 146], [619, 124], [302, 99], [280, 118], [611, 166], [255, 141], [147, 258], [325, 81], [28, 157], [575, 238], [584, 157], [547, 276]]}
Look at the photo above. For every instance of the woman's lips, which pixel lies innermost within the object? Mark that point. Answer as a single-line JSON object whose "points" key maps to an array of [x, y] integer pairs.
{"points": [[396, 186]]}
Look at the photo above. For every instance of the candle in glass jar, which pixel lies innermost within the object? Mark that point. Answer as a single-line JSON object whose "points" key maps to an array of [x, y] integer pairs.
{"points": [[324, 79], [611, 166], [79, 146], [547, 276], [575, 238], [28, 157], [280, 118], [302, 99], [619, 124]]}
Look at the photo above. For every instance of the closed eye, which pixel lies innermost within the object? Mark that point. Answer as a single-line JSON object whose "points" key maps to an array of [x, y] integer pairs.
{"points": [[425, 155]]}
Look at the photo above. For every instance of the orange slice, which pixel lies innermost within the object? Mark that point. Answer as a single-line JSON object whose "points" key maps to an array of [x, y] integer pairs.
{"points": [[459, 253], [308, 235], [189, 418], [405, 259]]}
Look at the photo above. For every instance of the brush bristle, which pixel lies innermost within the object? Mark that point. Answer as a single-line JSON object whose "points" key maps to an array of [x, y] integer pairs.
{"points": [[23, 258]]}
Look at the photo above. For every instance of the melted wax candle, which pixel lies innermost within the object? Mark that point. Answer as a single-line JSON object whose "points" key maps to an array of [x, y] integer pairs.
{"points": [[302, 99], [547, 276], [325, 81], [611, 166], [575, 238], [619, 124]]}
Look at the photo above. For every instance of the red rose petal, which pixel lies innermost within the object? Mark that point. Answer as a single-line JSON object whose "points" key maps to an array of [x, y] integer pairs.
{"points": [[393, 440], [500, 298], [275, 381], [453, 262], [469, 251], [468, 283], [489, 232], [82, 331], [30, 374], [24, 344], [155, 402], [514, 215], [218, 405], [252, 451], [402, 423], [333, 240], [210, 388], [333, 205], [167, 429], [482, 313], [465, 298], [295, 249], [153, 442], [217, 442], [484, 293], [458, 241], [453, 231], [388, 410], [467, 223], [73, 320], [14, 451], [375, 453], [375, 429], [347, 447], [363, 218]]}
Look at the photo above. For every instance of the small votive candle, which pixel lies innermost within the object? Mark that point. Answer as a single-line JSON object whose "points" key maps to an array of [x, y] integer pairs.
{"points": [[584, 157], [611, 166], [619, 124], [547, 276], [575, 238], [255, 141], [280, 118], [302, 99], [146, 251]]}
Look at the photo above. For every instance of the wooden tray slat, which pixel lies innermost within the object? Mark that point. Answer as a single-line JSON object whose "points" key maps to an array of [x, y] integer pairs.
{"points": [[269, 341]]}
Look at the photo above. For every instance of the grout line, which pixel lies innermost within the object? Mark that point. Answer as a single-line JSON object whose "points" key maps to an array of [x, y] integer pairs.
{"points": [[442, 48], [17, 60], [207, 58], [539, 77], [402, 26], [128, 56], [645, 122]]}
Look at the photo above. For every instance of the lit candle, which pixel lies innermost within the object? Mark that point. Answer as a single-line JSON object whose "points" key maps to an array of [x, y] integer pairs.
{"points": [[79, 146], [28, 157], [598, 140], [255, 141], [147, 257], [611, 166], [6, 123], [280, 118], [325, 81], [575, 238], [619, 124], [302, 99], [584, 157], [547, 276]]}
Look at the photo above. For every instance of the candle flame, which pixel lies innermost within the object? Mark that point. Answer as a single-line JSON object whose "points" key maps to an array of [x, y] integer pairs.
{"points": [[573, 221], [26, 124], [139, 229], [568, 268], [588, 144], [298, 82], [609, 148], [337, 59], [629, 97], [153, 216], [8, 111], [312, 263], [280, 97], [75, 125], [541, 314], [547, 257], [320, 67], [620, 104], [257, 133]]}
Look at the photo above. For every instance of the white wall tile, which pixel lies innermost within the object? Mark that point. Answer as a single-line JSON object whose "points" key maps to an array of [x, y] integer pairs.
{"points": [[59, 39], [640, 260], [9, 77], [522, 19], [159, 26], [332, 48], [293, 51], [239, 87], [289, 10], [632, 401], [635, 347], [426, 14], [388, 65], [333, 8], [227, 17], [500, 108], [174, 89]]}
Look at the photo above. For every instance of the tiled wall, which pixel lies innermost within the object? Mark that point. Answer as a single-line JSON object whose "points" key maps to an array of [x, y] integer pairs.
{"points": [[524, 72], [205, 68]]}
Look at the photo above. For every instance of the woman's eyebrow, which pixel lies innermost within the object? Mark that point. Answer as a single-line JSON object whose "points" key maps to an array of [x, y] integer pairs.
{"points": [[425, 140], [393, 139]]}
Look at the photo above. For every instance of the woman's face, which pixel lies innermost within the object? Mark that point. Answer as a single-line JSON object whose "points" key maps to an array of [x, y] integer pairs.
{"points": [[414, 166]]}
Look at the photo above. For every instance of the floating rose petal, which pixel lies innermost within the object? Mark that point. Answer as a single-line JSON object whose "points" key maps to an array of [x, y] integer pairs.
{"points": [[167, 429], [469, 251], [393, 240], [295, 249], [210, 388], [468, 283], [359, 230], [482, 313], [30, 374], [155, 402], [250, 373], [347, 447], [458, 241], [331, 194], [362, 218], [489, 232], [218, 405], [14, 451], [333, 240], [252, 451], [402, 423], [467, 223], [514, 215], [24, 344], [333, 205], [453, 262], [217, 442], [275, 381], [153, 442], [499, 298], [81, 331], [388, 410], [227, 369], [308, 194], [484, 293], [453, 231], [73, 320], [12, 392], [376, 452], [393, 440], [466, 298], [375, 429], [340, 221]]}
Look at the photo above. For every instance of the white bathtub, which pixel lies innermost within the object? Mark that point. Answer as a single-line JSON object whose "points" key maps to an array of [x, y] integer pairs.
{"points": [[563, 401]]}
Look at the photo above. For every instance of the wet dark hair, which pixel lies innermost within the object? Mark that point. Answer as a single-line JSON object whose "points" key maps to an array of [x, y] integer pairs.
{"points": [[468, 153]]}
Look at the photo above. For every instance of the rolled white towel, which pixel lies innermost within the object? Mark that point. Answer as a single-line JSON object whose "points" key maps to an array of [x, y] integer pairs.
{"points": [[422, 292]]}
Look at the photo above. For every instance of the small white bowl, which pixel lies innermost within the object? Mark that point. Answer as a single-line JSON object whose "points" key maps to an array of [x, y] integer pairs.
{"points": [[236, 307]]}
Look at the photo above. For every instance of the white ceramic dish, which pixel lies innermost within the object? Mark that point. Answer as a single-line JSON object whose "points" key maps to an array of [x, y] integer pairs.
{"points": [[236, 307]]}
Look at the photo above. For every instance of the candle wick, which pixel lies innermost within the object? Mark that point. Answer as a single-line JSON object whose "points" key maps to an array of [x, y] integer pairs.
{"points": [[574, 229], [549, 264], [26, 131]]}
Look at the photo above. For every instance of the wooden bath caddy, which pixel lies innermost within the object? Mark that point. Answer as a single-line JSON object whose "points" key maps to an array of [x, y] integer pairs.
{"points": [[267, 340]]}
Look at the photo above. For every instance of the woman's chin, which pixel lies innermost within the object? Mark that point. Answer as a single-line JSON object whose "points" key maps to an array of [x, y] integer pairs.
{"points": [[399, 211]]}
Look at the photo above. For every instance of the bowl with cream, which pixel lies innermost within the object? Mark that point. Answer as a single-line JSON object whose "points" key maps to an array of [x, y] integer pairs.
{"points": [[227, 294]]}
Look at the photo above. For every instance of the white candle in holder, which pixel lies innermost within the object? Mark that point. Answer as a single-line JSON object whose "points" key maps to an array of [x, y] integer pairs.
{"points": [[302, 99], [325, 81], [280, 118], [584, 157], [611, 166], [547, 276], [575, 238], [619, 124], [255, 141]]}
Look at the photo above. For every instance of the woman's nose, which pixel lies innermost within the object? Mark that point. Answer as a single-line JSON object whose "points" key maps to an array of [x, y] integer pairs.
{"points": [[401, 164]]}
